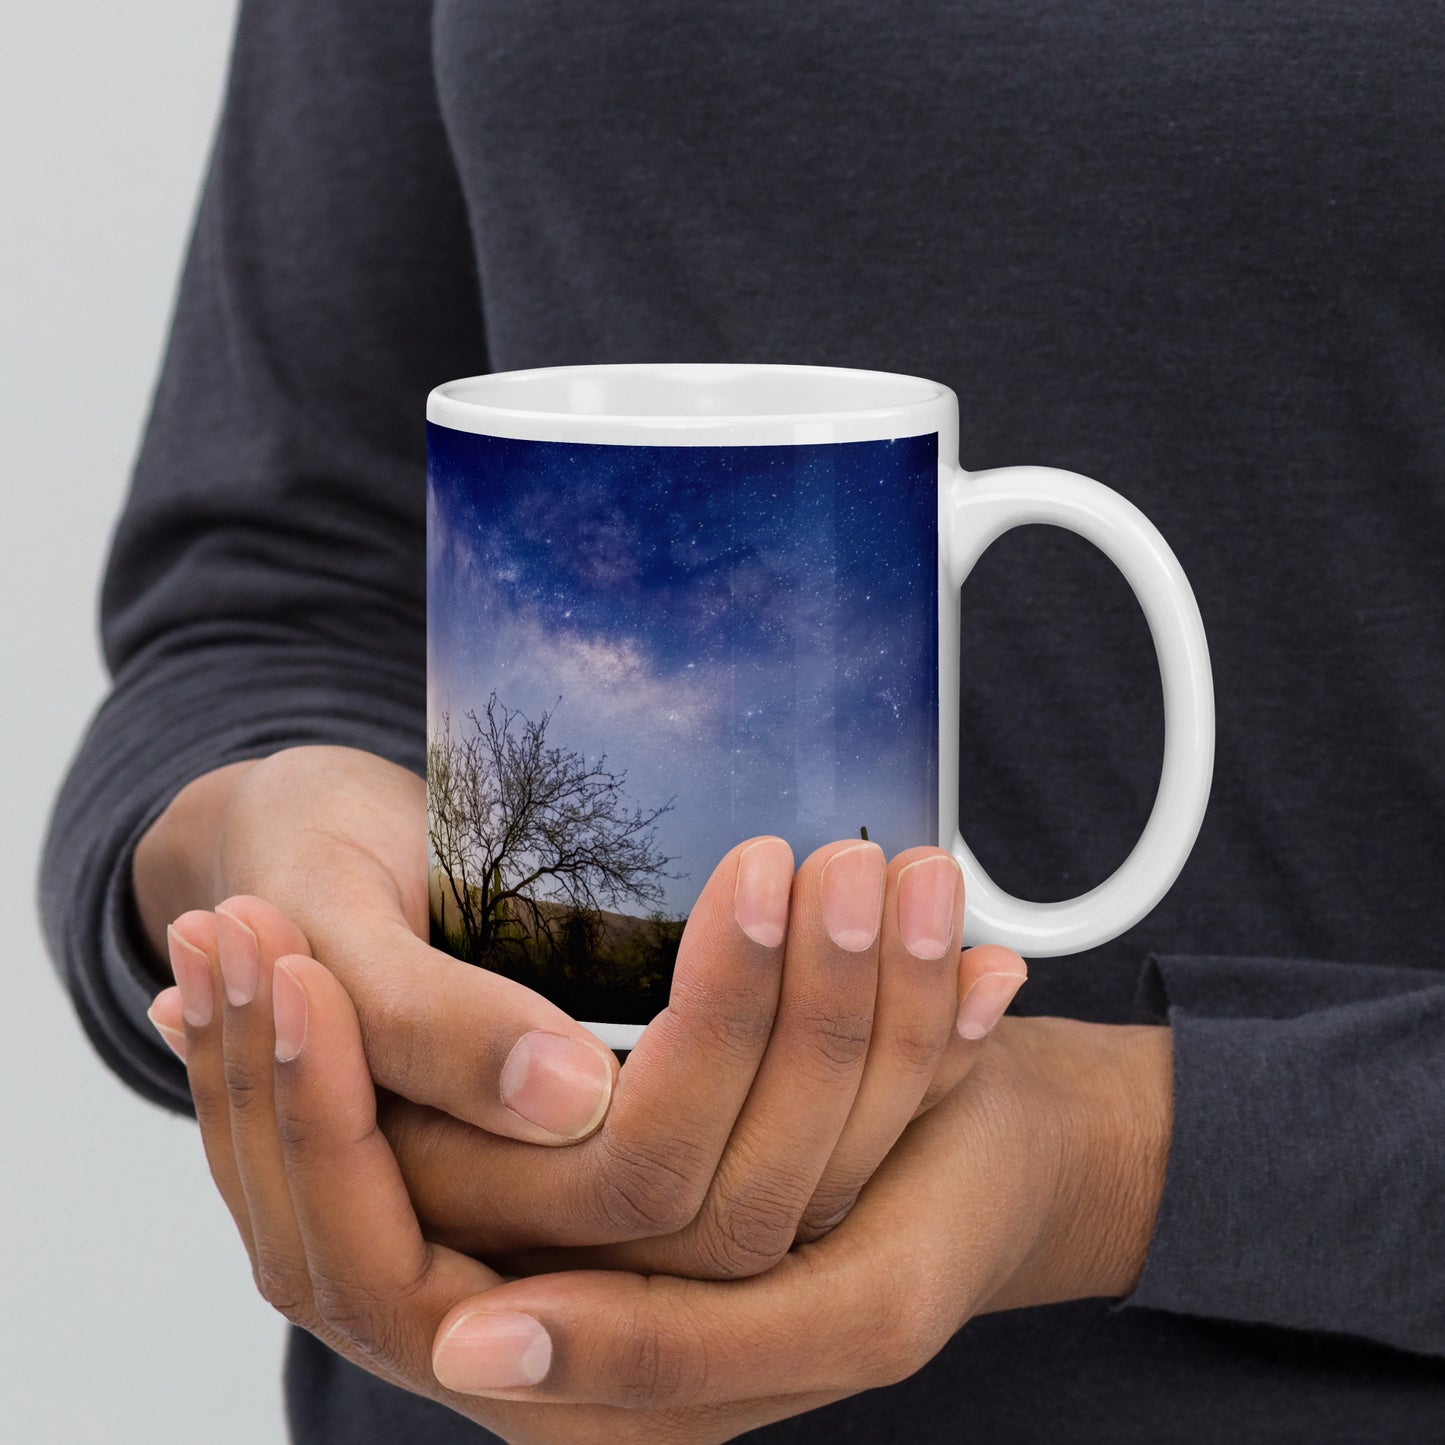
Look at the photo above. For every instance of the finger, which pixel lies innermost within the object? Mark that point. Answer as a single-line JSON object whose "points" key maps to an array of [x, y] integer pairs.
{"points": [[378, 1289], [677, 1100], [686, 1093], [192, 946], [604, 1337], [913, 1021], [262, 1214], [867, 1306], [464, 1039], [806, 1085], [250, 935], [170, 1023], [693, 1069], [805, 1088], [375, 1282], [989, 977]]}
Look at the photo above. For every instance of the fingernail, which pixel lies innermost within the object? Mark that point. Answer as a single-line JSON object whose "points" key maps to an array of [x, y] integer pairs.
{"points": [[175, 1037], [492, 1352], [560, 1084], [288, 1009], [984, 1004], [852, 889], [192, 970], [760, 896], [927, 894], [240, 958]]}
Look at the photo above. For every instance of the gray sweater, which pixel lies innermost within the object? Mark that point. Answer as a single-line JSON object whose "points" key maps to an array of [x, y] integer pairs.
{"points": [[1191, 250]]}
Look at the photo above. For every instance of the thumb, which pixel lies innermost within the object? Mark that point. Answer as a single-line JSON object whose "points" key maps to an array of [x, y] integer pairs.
{"points": [[658, 1342], [469, 1041]]}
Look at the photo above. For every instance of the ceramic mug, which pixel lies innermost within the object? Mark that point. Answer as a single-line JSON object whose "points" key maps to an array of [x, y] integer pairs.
{"points": [[671, 606]]}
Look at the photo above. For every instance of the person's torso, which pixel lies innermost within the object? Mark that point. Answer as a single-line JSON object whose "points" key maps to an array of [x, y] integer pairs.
{"points": [[1192, 251]]}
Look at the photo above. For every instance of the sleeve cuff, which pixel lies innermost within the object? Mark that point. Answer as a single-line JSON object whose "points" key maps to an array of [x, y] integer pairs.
{"points": [[1307, 1162]]}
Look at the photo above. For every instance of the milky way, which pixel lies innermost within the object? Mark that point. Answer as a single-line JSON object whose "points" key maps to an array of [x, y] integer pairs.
{"points": [[751, 630]]}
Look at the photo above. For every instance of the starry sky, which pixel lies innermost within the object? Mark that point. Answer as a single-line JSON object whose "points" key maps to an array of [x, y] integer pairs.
{"points": [[749, 629]]}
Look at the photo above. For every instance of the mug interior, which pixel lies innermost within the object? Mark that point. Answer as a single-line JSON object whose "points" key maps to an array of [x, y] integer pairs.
{"points": [[693, 389]]}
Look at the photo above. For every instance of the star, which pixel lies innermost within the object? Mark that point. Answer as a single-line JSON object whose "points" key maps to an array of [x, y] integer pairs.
{"points": [[749, 629]]}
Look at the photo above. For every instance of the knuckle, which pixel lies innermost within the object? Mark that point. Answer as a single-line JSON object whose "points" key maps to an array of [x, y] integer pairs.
{"points": [[305, 1133], [836, 1042], [741, 1033], [386, 1016], [657, 1367], [286, 1288], [355, 1313], [737, 1021], [919, 1045], [825, 1212], [647, 1188], [293, 1129], [247, 1089], [746, 1235]]}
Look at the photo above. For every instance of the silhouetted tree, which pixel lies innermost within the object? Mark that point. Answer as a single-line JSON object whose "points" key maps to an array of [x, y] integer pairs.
{"points": [[516, 824]]}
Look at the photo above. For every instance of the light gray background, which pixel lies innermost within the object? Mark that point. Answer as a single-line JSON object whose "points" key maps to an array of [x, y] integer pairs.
{"points": [[128, 1308]]}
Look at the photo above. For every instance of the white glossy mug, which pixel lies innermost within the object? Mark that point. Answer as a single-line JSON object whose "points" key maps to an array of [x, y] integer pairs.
{"points": [[737, 585]]}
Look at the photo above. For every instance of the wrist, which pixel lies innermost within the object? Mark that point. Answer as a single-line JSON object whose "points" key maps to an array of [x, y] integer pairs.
{"points": [[1104, 1097], [176, 864]]}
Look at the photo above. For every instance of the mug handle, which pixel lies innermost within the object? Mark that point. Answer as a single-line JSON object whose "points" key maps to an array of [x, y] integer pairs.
{"points": [[975, 508]]}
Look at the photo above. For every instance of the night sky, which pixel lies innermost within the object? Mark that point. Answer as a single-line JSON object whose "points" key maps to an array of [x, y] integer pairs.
{"points": [[752, 629]]}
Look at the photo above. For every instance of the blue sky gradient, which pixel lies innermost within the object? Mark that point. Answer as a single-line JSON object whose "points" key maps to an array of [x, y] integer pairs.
{"points": [[751, 630]]}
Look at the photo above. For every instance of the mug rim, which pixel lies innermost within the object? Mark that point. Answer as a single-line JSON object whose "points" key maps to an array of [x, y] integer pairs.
{"points": [[463, 403]]}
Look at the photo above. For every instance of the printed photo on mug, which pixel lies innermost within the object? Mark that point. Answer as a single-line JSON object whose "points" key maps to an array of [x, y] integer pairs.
{"points": [[639, 655]]}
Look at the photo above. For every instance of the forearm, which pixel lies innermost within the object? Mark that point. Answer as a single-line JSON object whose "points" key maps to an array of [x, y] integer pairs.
{"points": [[176, 863], [1100, 1100], [266, 581]]}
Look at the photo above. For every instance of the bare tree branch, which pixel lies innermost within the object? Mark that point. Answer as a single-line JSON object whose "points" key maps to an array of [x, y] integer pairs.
{"points": [[514, 823]]}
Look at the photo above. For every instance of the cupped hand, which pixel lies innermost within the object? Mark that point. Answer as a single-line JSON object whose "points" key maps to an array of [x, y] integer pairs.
{"points": [[1018, 1189], [335, 839], [805, 1028], [810, 1019]]}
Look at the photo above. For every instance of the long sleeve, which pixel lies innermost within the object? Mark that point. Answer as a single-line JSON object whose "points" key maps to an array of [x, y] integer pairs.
{"points": [[1306, 1178], [265, 585], [1151, 252]]}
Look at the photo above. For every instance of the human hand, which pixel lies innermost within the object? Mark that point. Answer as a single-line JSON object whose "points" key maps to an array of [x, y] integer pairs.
{"points": [[1037, 1183], [754, 1107], [335, 839], [759, 1102]]}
